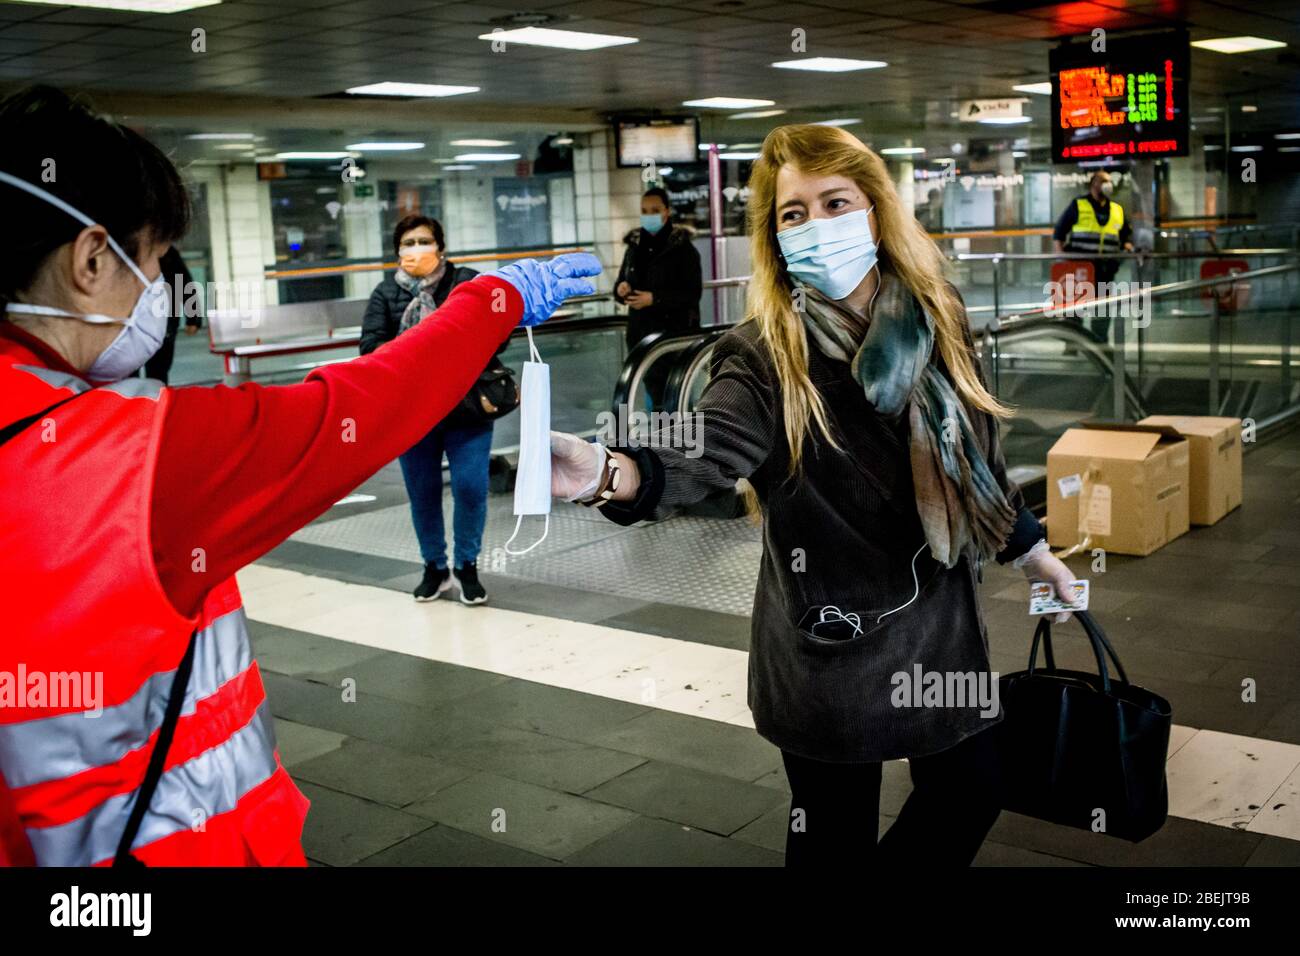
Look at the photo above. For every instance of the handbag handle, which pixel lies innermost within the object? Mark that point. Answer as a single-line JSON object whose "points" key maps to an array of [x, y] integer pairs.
{"points": [[1101, 647]]}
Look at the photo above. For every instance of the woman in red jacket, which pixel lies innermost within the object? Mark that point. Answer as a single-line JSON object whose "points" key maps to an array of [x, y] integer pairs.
{"points": [[129, 506]]}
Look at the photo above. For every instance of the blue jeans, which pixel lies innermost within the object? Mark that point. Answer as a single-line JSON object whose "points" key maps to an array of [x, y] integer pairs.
{"points": [[468, 450]]}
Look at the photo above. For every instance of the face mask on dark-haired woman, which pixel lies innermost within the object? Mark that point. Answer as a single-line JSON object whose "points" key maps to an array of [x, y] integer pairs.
{"points": [[143, 330]]}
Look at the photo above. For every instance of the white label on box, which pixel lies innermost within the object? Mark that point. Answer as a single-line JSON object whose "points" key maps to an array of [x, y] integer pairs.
{"points": [[1069, 485], [1097, 518]]}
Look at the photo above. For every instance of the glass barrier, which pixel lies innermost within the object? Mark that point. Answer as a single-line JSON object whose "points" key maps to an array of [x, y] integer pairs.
{"points": [[1193, 348]]}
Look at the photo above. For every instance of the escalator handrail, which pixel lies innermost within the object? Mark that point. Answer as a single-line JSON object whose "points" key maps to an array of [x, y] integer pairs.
{"points": [[644, 354], [687, 366]]}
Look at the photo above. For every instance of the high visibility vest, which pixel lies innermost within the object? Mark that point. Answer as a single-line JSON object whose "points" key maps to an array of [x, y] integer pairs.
{"points": [[91, 642], [1089, 235]]}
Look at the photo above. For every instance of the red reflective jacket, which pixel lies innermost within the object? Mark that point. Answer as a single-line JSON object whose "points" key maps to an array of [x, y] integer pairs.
{"points": [[127, 511]]}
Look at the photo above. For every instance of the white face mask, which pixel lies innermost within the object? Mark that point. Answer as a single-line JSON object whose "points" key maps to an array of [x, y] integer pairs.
{"points": [[142, 332], [832, 255], [533, 476]]}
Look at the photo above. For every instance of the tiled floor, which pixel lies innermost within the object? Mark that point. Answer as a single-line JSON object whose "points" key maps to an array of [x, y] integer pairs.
{"points": [[560, 725]]}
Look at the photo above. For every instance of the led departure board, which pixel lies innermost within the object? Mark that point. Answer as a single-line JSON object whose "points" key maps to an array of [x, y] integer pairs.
{"points": [[670, 139], [1127, 101]]}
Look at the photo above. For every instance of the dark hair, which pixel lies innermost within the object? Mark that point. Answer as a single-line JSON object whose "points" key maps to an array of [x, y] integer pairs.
{"points": [[662, 194], [107, 171], [415, 222]]}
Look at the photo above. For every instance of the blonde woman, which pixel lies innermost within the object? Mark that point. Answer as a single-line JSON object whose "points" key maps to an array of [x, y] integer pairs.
{"points": [[851, 400]]}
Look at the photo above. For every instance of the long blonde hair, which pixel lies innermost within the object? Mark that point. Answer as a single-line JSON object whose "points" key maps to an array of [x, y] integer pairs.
{"points": [[904, 248]]}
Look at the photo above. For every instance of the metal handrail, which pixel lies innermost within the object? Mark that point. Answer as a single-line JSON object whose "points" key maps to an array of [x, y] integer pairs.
{"points": [[1004, 323], [1091, 256], [735, 281]]}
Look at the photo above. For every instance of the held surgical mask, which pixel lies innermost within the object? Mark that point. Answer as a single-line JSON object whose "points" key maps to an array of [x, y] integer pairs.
{"points": [[142, 332], [533, 477], [651, 222], [419, 260], [832, 255]]}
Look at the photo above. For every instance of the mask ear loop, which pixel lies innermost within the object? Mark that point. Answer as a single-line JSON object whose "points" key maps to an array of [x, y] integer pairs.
{"points": [[546, 529], [76, 214], [535, 356]]}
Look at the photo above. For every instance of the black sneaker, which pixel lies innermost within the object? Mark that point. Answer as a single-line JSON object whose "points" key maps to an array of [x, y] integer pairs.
{"points": [[471, 591], [436, 580]]}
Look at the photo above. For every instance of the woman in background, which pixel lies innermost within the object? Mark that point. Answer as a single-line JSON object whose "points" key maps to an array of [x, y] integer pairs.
{"points": [[423, 280]]}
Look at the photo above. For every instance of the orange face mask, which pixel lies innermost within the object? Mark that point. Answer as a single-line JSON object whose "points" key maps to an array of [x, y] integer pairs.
{"points": [[419, 261]]}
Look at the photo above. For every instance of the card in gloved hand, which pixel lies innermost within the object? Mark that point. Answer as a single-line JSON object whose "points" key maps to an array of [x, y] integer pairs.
{"points": [[1043, 599]]}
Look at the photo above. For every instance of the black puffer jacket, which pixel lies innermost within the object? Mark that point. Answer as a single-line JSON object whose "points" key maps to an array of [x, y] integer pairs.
{"points": [[668, 266], [384, 311]]}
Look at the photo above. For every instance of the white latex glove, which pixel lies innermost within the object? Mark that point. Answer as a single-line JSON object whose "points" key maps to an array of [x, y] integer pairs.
{"points": [[1039, 564], [576, 466]]}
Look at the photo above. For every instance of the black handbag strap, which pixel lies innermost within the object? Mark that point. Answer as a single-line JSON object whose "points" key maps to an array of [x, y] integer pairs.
{"points": [[1101, 647], [13, 428], [158, 758]]}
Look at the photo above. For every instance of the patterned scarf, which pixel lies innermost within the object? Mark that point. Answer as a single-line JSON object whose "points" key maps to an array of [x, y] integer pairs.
{"points": [[421, 289], [959, 501]]}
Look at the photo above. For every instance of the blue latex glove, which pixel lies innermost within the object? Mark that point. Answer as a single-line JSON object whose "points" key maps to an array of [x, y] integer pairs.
{"points": [[544, 285]]}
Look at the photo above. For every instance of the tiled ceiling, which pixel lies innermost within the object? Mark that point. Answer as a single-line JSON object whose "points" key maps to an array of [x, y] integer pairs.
{"points": [[937, 50]]}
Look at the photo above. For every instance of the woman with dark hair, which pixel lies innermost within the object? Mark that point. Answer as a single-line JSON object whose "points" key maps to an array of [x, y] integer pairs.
{"points": [[421, 283], [130, 505]]}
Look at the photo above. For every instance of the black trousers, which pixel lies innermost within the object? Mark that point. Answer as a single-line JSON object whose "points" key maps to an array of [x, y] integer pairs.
{"points": [[834, 809], [1105, 270]]}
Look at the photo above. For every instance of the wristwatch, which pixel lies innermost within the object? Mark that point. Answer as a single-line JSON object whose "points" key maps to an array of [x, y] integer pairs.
{"points": [[607, 486]]}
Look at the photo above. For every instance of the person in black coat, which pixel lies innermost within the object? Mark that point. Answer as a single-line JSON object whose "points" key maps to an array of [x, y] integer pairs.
{"points": [[180, 285], [841, 400], [660, 281], [423, 280]]}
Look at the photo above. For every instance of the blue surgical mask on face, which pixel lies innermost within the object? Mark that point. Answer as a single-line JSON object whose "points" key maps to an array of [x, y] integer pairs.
{"points": [[832, 255], [651, 222], [142, 332]]}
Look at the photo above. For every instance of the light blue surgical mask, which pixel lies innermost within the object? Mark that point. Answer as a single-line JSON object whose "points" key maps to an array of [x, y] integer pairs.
{"points": [[652, 222], [142, 332], [832, 255]]}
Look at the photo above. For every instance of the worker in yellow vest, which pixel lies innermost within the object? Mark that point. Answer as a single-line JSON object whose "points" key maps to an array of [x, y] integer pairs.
{"points": [[1096, 223]]}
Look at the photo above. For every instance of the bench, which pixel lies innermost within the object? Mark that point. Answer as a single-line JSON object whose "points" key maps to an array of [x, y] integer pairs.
{"points": [[282, 330]]}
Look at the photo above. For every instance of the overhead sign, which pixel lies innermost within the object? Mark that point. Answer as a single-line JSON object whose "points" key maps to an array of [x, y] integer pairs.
{"points": [[973, 111], [1128, 100], [667, 139]]}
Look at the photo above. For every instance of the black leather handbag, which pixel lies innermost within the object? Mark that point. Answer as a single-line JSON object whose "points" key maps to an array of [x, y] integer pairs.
{"points": [[494, 394], [1081, 749]]}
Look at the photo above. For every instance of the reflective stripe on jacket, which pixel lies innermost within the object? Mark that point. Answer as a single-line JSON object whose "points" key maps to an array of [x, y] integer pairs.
{"points": [[96, 642]]}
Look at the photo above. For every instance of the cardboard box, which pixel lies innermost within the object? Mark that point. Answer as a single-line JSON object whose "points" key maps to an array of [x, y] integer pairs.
{"points": [[1215, 445], [1123, 486]]}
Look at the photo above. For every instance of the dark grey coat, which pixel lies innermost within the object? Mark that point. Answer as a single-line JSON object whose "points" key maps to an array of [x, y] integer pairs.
{"points": [[852, 517]]}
